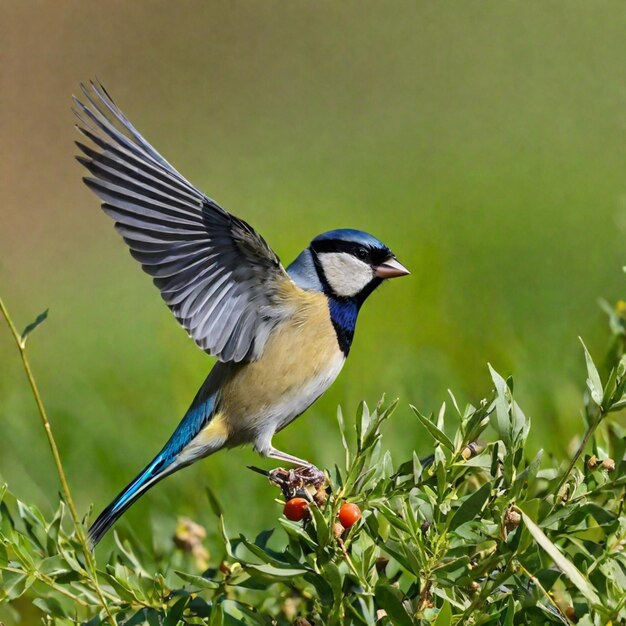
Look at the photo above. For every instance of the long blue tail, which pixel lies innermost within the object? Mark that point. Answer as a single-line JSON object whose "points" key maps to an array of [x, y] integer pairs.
{"points": [[148, 477], [196, 418]]}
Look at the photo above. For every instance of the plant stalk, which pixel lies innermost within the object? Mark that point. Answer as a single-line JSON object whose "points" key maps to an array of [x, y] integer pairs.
{"points": [[47, 580], [21, 346], [581, 448]]}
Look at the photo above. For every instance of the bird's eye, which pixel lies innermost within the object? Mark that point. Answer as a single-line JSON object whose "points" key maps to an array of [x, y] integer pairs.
{"points": [[361, 253]]}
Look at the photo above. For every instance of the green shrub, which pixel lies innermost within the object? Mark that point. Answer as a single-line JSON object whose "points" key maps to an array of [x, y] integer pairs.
{"points": [[479, 534]]}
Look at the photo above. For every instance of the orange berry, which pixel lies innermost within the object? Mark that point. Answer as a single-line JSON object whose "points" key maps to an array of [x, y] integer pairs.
{"points": [[296, 509], [349, 514]]}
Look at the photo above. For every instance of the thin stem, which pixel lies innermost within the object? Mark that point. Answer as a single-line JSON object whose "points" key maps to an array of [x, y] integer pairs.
{"points": [[351, 566], [43, 415], [545, 592], [424, 596], [21, 346], [581, 448], [48, 581], [486, 591]]}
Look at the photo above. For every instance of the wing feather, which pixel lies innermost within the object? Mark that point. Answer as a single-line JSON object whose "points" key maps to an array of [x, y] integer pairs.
{"points": [[219, 277]]}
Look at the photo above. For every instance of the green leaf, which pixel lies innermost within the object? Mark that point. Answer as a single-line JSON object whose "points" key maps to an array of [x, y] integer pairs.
{"points": [[128, 557], [50, 605], [390, 599], [520, 424], [15, 584], [275, 572], [455, 403], [362, 423], [441, 416], [503, 398], [322, 586], [474, 425], [321, 526], [175, 613], [437, 434], [566, 566], [294, 530], [52, 530], [342, 431], [610, 387], [30, 327], [398, 552], [263, 555], [393, 518], [509, 616], [444, 617], [372, 435], [224, 535], [335, 580], [526, 476], [198, 581], [471, 506], [214, 502], [593, 378], [122, 587], [619, 405], [417, 468], [54, 566], [217, 615]]}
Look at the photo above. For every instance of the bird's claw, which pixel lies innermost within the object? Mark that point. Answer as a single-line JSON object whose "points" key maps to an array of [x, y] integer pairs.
{"points": [[297, 477], [308, 482]]}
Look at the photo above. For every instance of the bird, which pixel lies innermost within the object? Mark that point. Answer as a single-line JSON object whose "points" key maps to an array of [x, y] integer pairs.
{"points": [[280, 335]]}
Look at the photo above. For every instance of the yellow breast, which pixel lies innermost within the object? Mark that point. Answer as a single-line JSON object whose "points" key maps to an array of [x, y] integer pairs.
{"points": [[300, 361]]}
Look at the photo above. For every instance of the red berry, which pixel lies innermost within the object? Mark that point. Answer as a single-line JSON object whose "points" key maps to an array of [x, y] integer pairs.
{"points": [[349, 514], [296, 509]]}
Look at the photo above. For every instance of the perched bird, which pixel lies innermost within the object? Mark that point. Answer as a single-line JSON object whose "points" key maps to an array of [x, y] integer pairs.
{"points": [[280, 336]]}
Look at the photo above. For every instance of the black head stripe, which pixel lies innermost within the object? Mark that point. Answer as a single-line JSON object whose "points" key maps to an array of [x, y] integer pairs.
{"points": [[374, 255], [334, 245]]}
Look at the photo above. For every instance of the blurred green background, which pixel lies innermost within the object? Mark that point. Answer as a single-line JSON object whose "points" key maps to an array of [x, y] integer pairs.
{"points": [[484, 142]]}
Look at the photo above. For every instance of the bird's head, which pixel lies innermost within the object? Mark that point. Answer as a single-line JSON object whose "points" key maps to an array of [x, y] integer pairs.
{"points": [[351, 263]]}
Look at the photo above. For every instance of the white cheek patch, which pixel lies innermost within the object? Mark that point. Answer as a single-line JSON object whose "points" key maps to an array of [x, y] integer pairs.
{"points": [[345, 274]]}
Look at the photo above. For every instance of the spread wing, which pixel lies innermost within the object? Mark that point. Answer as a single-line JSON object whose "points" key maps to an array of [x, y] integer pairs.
{"points": [[223, 283]]}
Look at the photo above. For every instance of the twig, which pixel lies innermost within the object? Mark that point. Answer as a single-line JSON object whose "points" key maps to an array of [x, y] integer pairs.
{"points": [[258, 470], [48, 581], [351, 566], [535, 580], [21, 346], [486, 591], [581, 448]]}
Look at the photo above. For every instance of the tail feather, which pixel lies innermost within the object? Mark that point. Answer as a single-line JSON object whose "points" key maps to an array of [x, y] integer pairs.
{"points": [[167, 461], [148, 477]]}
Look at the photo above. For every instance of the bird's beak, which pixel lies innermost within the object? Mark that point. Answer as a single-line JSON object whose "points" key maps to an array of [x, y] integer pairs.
{"points": [[391, 268]]}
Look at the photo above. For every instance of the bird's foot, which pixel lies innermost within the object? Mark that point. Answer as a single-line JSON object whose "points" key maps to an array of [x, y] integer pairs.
{"points": [[306, 481], [297, 478]]}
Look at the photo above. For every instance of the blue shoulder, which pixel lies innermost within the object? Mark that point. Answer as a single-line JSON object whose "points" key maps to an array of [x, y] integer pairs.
{"points": [[303, 273]]}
